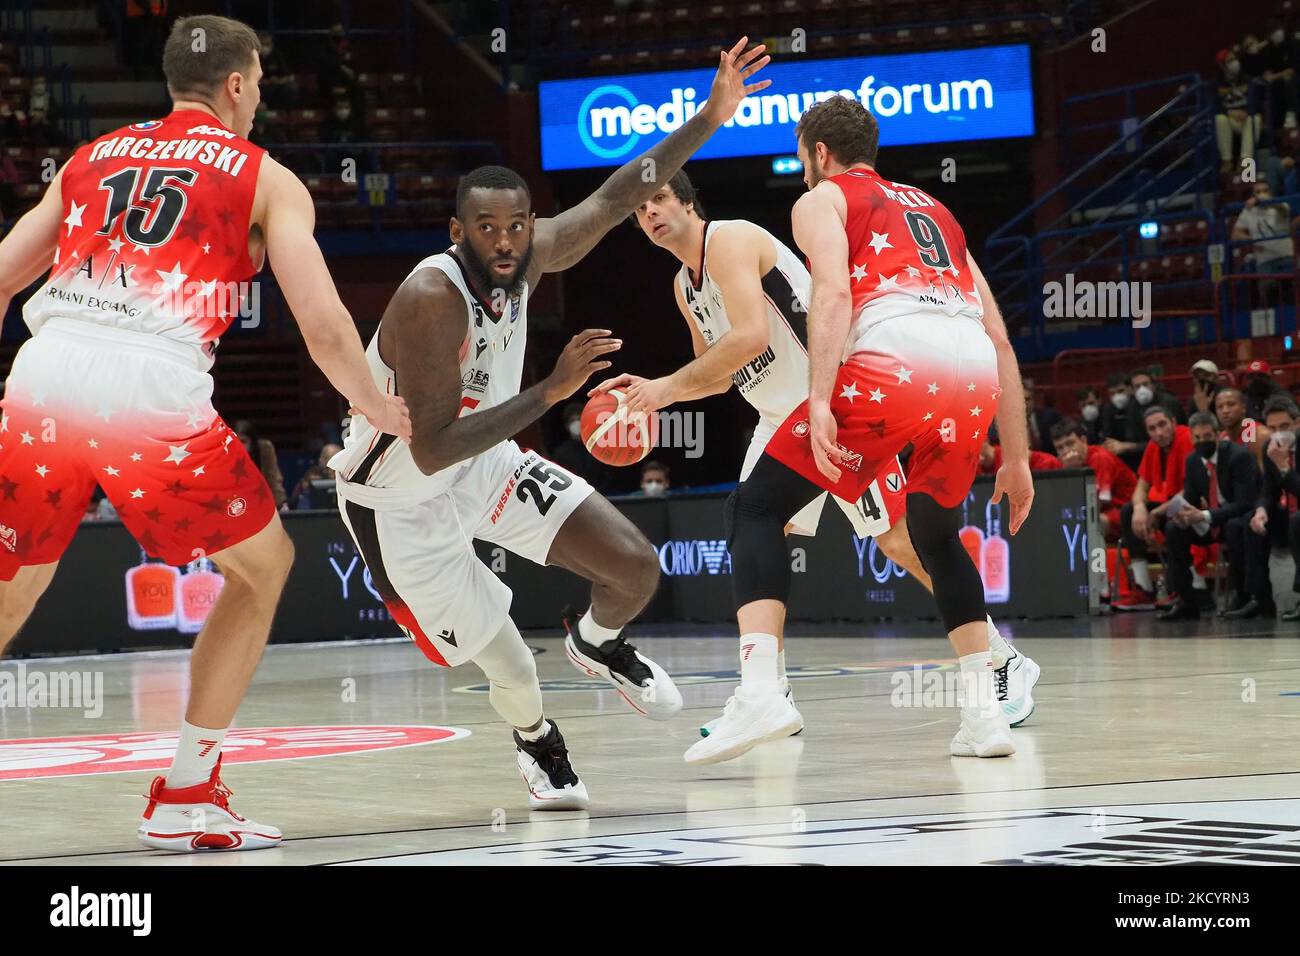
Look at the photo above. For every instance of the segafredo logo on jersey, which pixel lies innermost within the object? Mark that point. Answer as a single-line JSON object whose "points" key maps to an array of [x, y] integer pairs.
{"points": [[917, 98], [30, 758], [575, 684]]}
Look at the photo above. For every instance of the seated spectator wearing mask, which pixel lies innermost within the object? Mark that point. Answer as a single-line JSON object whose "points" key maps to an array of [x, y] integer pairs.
{"points": [[1221, 484], [572, 454], [1277, 516], [1205, 386], [1115, 480], [302, 496], [1236, 114], [1123, 432], [1160, 477], [654, 479], [1090, 413], [1147, 392], [1261, 387]]}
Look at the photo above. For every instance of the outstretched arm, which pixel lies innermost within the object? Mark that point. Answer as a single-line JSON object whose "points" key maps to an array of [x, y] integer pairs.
{"points": [[28, 250], [562, 241]]}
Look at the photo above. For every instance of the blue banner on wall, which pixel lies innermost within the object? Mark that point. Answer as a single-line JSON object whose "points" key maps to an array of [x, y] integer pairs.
{"points": [[937, 97]]}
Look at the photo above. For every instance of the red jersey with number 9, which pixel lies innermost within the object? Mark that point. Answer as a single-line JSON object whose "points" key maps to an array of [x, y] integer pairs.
{"points": [[155, 231], [907, 254]]}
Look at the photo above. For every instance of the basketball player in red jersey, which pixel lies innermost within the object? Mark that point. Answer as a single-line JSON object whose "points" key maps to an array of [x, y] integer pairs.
{"points": [[906, 346], [149, 229]]}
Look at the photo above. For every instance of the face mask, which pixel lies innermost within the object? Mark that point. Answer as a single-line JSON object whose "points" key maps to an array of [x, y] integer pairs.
{"points": [[343, 114], [1145, 394], [1233, 68], [1206, 449], [1277, 36], [1284, 439], [1090, 413], [1120, 400], [653, 489], [575, 429]]}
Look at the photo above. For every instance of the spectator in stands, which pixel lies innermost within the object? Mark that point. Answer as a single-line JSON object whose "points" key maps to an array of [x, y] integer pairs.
{"points": [[265, 129], [1090, 413], [263, 454], [1115, 480], [573, 455], [991, 459], [1260, 388], [1221, 487], [1230, 411], [38, 97], [335, 67], [40, 132], [304, 496], [1205, 386], [1267, 226], [654, 479], [1270, 62], [1041, 419], [343, 125], [11, 127], [1147, 391], [1160, 477], [9, 180], [145, 31], [1235, 118], [1121, 424], [279, 86], [1277, 516]]}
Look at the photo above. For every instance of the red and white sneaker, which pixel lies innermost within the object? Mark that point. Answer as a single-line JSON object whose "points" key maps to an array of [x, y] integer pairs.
{"points": [[1134, 600], [190, 819]]}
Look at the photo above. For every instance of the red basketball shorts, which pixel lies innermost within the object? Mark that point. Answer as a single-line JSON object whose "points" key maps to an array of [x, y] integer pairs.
{"points": [[131, 412], [930, 381]]}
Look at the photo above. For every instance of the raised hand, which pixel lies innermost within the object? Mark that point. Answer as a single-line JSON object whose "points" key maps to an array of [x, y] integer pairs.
{"points": [[736, 66]]}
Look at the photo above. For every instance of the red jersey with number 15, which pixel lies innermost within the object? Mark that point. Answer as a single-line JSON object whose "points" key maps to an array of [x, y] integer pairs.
{"points": [[155, 231], [907, 254]]}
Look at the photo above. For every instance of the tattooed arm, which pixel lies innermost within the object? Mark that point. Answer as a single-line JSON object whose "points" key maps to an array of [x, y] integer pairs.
{"points": [[561, 242], [420, 338]]}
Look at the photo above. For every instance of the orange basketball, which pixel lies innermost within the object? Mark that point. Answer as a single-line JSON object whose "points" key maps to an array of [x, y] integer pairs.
{"points": [[614, 435]]}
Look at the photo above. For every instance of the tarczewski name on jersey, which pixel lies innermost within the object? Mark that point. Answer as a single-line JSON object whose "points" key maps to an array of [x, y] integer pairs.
{"points": [[228, 159]]}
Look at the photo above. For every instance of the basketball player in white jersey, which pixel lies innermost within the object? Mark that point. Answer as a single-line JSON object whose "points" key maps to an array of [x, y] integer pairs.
{"points": [[452, 344], [744, 296]]}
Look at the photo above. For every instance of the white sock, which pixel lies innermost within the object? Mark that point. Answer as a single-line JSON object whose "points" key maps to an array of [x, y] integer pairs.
{"points": [[197, 753], [594, 633], [780, 663], [539, 733], [758, 660], [1198, 581], [978, 697], [1141, 574], [998, 647]]}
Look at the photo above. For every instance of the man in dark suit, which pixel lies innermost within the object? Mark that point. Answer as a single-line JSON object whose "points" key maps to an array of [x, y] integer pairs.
{"points": [[1277, 516], [1221, 486]]}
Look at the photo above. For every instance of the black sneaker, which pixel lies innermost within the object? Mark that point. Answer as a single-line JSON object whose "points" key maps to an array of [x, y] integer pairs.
{"points": [[641, 682], [552, 782]]}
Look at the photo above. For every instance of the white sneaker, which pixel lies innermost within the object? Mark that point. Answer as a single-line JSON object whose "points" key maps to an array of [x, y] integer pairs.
{"points": [[1015, 682], [749, 719], [707, 728], [197, 818], [641, 682], [982, 736], [552, 782]]}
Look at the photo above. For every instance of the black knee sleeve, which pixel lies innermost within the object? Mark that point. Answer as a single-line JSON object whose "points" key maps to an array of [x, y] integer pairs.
{"points": [[756, 515], [958, 590]]}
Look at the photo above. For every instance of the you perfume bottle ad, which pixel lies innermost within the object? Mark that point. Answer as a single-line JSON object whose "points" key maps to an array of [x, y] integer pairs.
{"points": [[159, 596]]}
